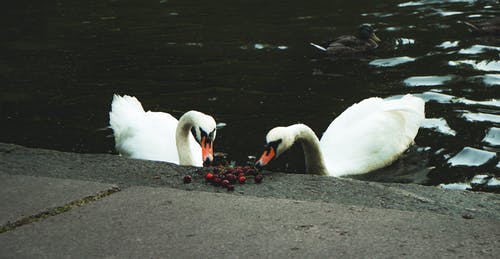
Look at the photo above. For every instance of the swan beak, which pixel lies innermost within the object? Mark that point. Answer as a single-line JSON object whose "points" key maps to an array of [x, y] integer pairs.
{"points": [[374, 37], [266, 157], [207, 151]]}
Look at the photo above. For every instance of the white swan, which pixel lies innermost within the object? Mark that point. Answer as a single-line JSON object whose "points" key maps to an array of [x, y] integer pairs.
{"points": [[367, 136], [159, 136]]}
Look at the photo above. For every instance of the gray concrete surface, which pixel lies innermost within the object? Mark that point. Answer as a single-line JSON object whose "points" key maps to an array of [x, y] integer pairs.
{"points": [[148, 222], [18, 160], [155, 215], [23, 196]]}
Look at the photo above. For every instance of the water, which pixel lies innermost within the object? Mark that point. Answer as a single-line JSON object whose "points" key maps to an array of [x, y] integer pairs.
{"points": [[250, 65]]}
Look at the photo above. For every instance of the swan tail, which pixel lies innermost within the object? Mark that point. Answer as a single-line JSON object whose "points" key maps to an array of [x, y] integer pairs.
{"points": [[125, 113], [411, 109]]}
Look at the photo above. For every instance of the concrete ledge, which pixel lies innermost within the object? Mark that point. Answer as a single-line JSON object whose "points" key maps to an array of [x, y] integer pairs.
{"points": [[18, 160], [148, 222]]}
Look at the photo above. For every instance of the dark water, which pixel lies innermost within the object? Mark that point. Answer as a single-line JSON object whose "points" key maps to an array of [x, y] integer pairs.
{"points": [[250, 65]]}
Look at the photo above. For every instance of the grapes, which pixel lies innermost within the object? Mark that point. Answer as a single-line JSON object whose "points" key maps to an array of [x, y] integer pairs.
{"points": [[258, 178], [188, 178], [227, 177]]}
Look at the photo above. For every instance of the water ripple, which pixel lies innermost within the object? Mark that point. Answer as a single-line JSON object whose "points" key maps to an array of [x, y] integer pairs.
{"points": [[481, 117], [477, 49], [427, 80], [490, 79], [492, 137], [439, 125], [391, 62], [448, 44], [471, 157], [483, 65]]}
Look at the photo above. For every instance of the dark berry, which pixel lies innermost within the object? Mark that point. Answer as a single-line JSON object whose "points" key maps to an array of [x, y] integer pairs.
{"points": [[224, 183], [188, 178], [258, 178], [230, 187], [242, 179], [239, 171], [217, 181], [231, 178], [209, 176], [250, 172]]}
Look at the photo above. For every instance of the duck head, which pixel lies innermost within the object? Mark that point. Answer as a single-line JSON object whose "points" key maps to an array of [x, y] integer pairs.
{"points": [[367, 33]]}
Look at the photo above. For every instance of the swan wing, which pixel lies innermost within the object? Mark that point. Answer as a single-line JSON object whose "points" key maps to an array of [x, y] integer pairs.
{"points": [[145, 135], [371, 134]]}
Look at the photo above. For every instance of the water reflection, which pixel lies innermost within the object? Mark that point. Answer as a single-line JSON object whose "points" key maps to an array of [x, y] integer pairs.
{"points": [[483, 65], [427, 80], [471, 157], [448, 44], [477, 49], [391, 62], [492, 137], [439, 125]]}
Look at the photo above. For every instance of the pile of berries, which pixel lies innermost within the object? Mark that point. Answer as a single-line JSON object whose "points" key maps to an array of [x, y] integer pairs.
{"points": [[226, 177]]}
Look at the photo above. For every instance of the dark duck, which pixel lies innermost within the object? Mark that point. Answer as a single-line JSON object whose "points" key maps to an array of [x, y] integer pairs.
{"points": [[349, 45]]}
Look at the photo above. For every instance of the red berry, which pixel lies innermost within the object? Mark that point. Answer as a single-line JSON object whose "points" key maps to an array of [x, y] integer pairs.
{"points": [[242, 179], [258, 178], [209, 176], [224, 183], [187, 178], [230, 187]]}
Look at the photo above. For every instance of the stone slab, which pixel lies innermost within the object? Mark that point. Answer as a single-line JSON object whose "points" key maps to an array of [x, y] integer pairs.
{"points": [[150, 222], [24, 196]]}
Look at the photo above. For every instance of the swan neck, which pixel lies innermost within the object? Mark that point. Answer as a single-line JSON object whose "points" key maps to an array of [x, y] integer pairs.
{"points": [[182, 133], [312, 151]]}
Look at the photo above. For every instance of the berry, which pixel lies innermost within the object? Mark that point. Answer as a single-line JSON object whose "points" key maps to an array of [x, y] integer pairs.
{"points": [[231, 178], [224, 183], [251, 172], [242, 179], [258, 178], [217, 180], [188, 178], [230, 187], [209, 176]]}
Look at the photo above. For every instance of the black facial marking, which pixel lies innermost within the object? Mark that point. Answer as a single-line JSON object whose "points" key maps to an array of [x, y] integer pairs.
{"points": [[193, 131], [273, 144], [211, 136]]}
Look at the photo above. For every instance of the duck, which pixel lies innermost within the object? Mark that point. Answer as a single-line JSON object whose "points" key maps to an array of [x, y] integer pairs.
{"points": [[489, 27], [159, 136], [349, 45], [367, 136]]}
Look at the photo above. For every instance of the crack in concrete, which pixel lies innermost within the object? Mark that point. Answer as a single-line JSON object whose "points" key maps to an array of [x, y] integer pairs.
{"points": [[57, 210]]}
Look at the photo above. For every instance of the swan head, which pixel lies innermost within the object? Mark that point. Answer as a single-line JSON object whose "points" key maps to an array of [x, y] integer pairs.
{"points": [[204, 131], [278, 140]]}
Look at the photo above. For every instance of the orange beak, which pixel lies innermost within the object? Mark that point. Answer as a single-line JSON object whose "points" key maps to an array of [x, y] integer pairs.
{"points": [[266, 157], [207, 151]]}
